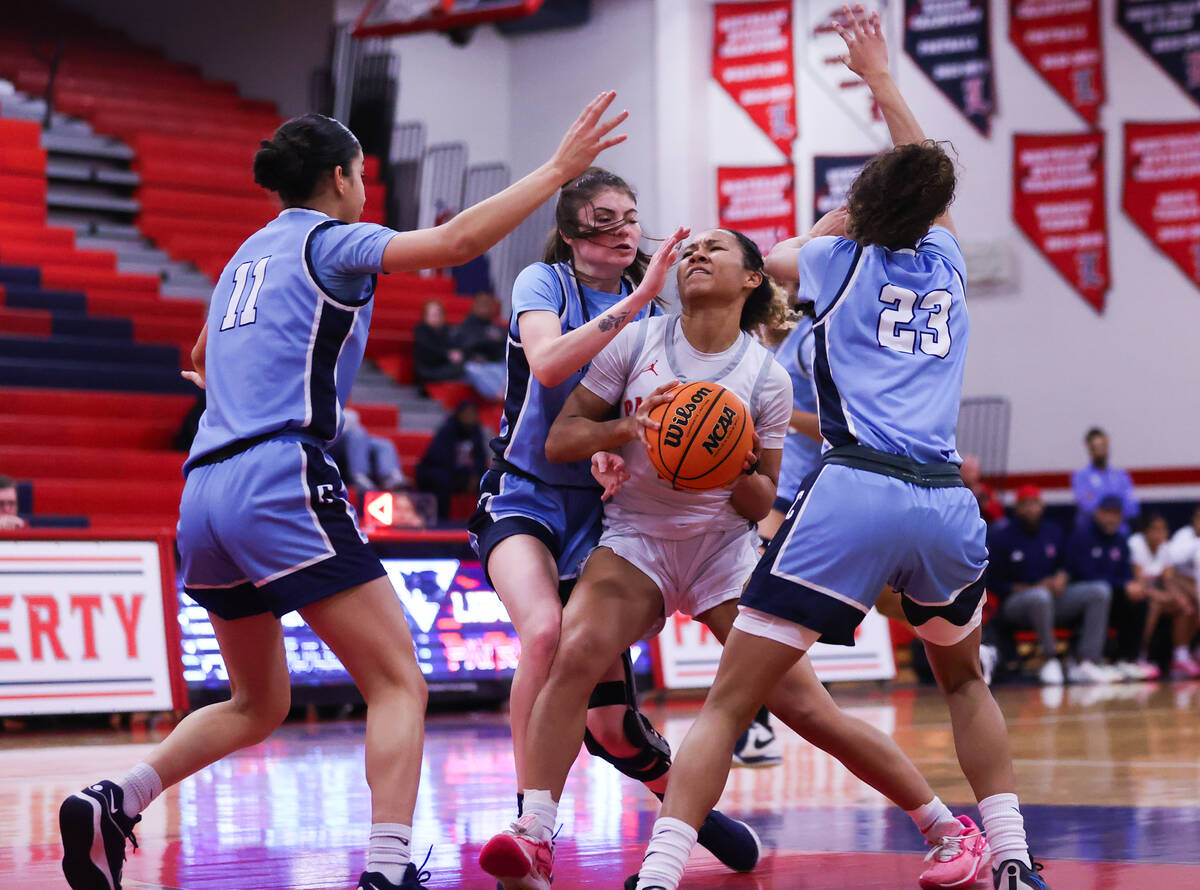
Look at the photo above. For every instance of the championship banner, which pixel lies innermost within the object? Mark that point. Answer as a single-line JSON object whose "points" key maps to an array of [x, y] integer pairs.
{"points": [[688, 654], [1058, 202], [823, 54], [1169, 32], [82, 628], [759, 202], [1162, 189], [951, 42], [752, 61], [832, 178], [1061, 40]]}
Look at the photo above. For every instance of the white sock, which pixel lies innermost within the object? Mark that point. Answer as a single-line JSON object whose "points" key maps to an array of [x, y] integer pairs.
{"points": [[140, 788], [1005, 828], [670, 845], [389, 850], [1182, 654], [935, 821], [544, 808]]}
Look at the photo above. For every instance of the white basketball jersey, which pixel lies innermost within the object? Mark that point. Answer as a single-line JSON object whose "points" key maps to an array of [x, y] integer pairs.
{"points": [[643, 357]]}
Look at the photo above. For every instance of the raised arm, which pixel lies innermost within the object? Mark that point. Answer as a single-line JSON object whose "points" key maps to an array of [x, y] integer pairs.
{"points": [[477, 228], [867, 56], [554, 356], [782, 263]]}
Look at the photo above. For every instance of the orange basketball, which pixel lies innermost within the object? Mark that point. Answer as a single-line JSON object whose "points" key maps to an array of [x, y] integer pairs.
{"points": [[705, 434]]}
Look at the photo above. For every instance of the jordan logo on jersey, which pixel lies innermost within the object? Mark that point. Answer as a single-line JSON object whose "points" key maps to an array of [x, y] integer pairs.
{"points": [[649, 368]]}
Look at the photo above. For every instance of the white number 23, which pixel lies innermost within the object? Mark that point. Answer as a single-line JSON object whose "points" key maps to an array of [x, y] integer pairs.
{"points": [[933, 339]]}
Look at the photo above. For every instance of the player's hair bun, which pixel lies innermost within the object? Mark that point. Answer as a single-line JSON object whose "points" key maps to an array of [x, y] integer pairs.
{"points": [[302, 151]]}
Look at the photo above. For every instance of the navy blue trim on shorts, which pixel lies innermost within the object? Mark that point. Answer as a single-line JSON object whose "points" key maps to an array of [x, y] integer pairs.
{"points": [[486, 532], [230, 603], [959, 613], [782, 505]]}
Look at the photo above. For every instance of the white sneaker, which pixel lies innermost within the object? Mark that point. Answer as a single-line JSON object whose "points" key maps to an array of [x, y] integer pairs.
{"points": [[758, 747], [1051, 673], [987, 660], [1089, 672]]}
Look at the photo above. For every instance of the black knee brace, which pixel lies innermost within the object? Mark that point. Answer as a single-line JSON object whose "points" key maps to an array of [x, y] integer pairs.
{"points": [[654, 754]]}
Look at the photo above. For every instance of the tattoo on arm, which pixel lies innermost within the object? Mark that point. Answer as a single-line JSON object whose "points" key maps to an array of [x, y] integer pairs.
{"points": [[610, 322]]}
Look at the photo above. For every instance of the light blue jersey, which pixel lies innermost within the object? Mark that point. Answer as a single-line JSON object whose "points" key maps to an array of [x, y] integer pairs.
{"points": [[529, 407], [287, 326], [890, 343], [800, 453]]}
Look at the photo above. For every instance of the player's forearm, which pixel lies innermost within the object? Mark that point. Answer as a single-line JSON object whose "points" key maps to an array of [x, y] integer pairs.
{"points": [[753, 496], [554, 359], [901, 122], [578, 438], [482, 225], [199, 349], [806, 423]]}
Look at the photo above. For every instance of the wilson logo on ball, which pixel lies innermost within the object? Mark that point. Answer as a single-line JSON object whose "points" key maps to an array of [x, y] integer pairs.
{"points": [[703, 439]]}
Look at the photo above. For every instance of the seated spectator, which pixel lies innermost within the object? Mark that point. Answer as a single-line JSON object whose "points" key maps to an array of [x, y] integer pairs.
{"points": [[371, 461], [405, 513], [435, 357], [1166, 594], [1098, 479], [483, 343], [990, 507], [1027, 572], [9, 519], [456, 458], [1185, 550]]}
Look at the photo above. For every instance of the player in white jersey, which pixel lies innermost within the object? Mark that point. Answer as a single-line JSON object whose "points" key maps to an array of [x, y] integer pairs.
{"points": [[265, 524], [887, 506], [664, 550]]}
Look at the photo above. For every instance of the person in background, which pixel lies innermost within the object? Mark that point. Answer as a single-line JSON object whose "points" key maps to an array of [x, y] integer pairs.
{"points": [[405, 513], [482, 342], [436, 358], [371, 461], [456, 458], [1165, 594], [990, 507], [9, 518], [1185, 559], [1028, 574], [1098, 479]]}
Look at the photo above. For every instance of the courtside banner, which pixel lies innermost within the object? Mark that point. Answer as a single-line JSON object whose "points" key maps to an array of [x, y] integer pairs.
{"points": [[823, 54], [832, 178], [82, 627], [1061, 40], [1169, 32], [760, 202], [951, 42], [1058, 202], [752, 61], [1162, 189], [688, 654]]}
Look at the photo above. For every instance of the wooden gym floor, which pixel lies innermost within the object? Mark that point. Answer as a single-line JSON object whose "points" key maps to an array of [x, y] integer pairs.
{"points": [[1109, 779]]}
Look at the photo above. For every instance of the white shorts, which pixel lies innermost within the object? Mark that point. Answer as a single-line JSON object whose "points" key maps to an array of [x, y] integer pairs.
{"points": [[693, 575]]}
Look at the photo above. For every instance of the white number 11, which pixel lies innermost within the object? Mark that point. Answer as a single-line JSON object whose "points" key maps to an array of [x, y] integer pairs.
{"points": [[249, 313]]}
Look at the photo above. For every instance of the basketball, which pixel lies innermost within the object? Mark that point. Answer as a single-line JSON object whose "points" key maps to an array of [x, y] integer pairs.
{"points": [[703, 439]]}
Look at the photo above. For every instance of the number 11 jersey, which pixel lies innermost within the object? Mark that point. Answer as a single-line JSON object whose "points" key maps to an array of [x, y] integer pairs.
{"points": [[890, 343]]}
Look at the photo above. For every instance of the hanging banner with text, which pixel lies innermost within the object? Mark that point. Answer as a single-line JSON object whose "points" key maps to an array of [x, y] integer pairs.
{"points": [[823, 58], [752, 61], [832, 178], [760, 202], [951, 42], [687, 654], [1058, 202], [82, 628], [1162, 189], [1061, 40], [1169, 32]]}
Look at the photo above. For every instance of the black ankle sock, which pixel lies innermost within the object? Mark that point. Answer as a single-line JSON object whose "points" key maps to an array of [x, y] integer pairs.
{"points": [[520, 804]]}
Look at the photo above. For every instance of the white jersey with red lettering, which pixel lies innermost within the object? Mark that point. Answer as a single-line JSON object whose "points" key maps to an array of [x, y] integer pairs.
{"points": [[654, 351]]}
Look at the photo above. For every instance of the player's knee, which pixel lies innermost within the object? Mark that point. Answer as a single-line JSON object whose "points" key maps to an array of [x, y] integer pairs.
{"points": [[583, 656], [538, 647], [261, 714]]}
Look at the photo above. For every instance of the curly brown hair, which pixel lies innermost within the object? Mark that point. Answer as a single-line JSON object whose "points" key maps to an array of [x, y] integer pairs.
{"points": [[899, 194]]}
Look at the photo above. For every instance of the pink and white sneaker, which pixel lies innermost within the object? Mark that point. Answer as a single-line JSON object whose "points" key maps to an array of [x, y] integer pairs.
{"points": [[1185, 668], [957, 861], [518, 858]]}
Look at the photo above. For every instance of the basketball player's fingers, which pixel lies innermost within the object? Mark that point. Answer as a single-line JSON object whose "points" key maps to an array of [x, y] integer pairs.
{"points": [[876, 30], [612, 123], [594, 109], [858, 18], [194, 377], [609, 143], [665, 388]]}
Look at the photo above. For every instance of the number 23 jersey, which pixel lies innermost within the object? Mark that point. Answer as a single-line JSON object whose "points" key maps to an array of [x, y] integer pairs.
{"points": [[890, 342], [287, 327]]}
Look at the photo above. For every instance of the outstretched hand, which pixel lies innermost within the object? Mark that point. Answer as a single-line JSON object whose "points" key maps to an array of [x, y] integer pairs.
{"points": [[587, 137], [660, 396], [832, 223], [655, 277], [610, 471], [866, 47]]}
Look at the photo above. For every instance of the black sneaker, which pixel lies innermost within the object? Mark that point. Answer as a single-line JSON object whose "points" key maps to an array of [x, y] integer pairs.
{"points": [[734, 843], [631, 884], [94, 829], [414, 879], [1013, 874]]}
